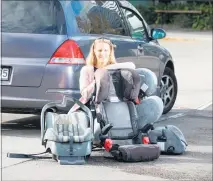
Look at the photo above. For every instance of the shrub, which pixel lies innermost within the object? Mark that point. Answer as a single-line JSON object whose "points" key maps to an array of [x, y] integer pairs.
{"points": [[202, 21]]}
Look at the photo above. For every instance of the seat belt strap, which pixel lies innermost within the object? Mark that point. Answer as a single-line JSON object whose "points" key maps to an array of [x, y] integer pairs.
{"points": [[71, 145]]}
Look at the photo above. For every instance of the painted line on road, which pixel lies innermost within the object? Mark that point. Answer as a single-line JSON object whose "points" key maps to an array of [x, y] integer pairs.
{"points": [[204, 106], [178, 39], [182, 39], [178, 115]]}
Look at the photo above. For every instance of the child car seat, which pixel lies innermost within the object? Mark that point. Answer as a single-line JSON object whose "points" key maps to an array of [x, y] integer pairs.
{"points": [[116, 93], [114, 102], [67, 136], [148, 81]]}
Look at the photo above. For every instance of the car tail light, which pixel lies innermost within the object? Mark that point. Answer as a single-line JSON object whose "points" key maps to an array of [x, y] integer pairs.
{"points": [[68, 53]]}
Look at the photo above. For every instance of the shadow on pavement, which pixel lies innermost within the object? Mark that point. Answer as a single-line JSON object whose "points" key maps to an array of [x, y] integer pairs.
{"points": [[21, 124], [184, 122], [187, 157]]}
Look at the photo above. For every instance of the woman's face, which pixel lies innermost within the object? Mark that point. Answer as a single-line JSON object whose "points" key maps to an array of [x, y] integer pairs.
{"points": [[102, 53]]}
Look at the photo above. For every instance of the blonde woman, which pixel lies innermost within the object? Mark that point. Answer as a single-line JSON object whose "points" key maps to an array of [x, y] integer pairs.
{"points": [[101, 56]]}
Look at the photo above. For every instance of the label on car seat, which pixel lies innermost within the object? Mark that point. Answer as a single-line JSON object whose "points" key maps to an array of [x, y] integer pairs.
{"points": [[161, 145], [114, 99], [144, 87]]}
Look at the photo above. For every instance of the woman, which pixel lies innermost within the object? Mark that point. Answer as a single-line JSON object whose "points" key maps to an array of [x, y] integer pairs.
{"points": [[101, 55]]}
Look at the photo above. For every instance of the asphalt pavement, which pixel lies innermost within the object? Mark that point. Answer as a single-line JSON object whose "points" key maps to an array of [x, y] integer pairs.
{"points": [[195, 164], [192, 113]]}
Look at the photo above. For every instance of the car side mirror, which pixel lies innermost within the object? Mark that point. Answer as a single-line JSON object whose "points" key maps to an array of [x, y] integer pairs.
{"points": [[157, 33]]}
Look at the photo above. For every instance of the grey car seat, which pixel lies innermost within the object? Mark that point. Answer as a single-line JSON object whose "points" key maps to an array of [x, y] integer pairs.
{"points": [[114, 102], [67, 136], [115, 105], [143, 86]]}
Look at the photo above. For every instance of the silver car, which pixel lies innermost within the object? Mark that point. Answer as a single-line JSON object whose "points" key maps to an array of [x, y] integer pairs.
{"points": [[45, 43]]}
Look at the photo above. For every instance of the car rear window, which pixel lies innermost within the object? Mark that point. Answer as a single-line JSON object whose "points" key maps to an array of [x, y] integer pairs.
{"points": [[39, 17], [88, 17], [112, 19], [97, 17]]}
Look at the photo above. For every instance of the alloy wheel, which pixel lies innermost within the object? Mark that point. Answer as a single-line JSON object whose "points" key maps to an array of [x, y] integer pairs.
{"points": [[167, 91]]}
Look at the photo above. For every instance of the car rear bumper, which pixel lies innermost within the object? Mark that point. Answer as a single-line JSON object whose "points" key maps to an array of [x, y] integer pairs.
{"points": [[29, 100]]}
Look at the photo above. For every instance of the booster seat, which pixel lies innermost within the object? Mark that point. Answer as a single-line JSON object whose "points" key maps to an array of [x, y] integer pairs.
{"points": [[115, 107]]}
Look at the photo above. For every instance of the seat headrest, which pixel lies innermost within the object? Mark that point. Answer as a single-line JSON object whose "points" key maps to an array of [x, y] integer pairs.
{"points": [[116, 84]]}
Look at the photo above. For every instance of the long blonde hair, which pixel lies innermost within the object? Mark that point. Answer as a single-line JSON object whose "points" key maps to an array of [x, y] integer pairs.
{"points": [[91, 58]]}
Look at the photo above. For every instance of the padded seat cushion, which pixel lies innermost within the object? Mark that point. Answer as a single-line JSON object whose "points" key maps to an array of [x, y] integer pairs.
{"points": [[63, 127]]}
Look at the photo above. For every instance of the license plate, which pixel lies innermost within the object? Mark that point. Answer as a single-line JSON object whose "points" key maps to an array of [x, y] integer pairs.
{"points": [[5, 73]]}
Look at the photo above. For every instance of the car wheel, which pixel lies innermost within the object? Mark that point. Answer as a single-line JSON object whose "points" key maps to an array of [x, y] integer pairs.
{"points": [[168, 89]]}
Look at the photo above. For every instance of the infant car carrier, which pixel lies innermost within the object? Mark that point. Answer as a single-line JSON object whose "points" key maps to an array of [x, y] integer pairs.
{"points": [[67, 136]]}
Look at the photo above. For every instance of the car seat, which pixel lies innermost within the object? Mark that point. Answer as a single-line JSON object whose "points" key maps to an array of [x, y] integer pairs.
{"points": [[67, 136], [113, 100]]}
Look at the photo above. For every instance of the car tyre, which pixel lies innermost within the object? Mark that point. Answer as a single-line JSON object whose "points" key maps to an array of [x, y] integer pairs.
{"points": [[168, 89]]}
